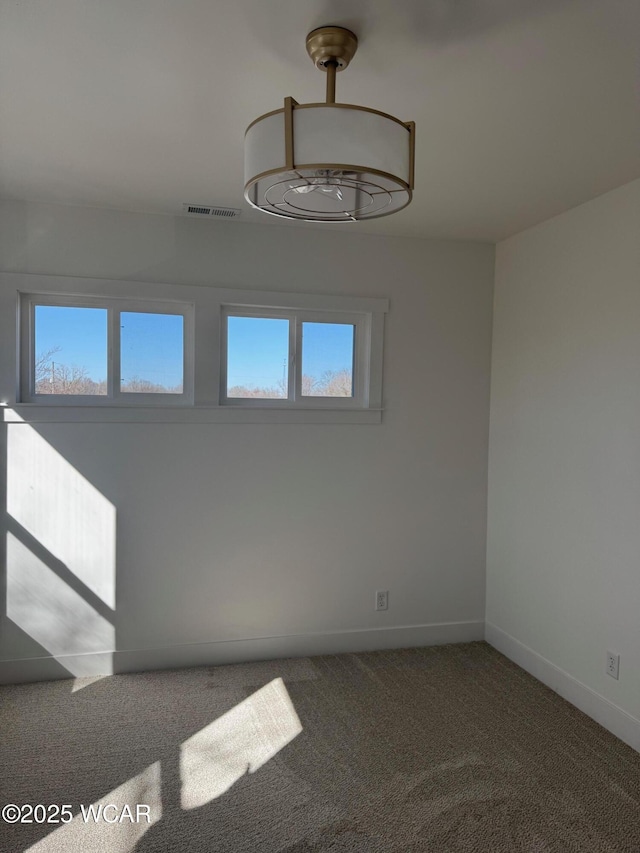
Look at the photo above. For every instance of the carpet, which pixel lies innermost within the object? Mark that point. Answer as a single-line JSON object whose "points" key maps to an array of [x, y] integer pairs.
{"points": [[430, 750]]}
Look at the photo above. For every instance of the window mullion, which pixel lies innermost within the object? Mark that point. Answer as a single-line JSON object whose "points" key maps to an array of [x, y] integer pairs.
{"points": [[113, 365], [295, 359], [224, 333], [31, 341]]}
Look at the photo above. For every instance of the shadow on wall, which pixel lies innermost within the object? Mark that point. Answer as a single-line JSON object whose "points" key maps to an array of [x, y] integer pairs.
{"points": [[60, 554]]}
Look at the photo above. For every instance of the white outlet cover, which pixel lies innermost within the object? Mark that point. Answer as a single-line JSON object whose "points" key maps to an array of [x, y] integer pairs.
{"points": [[382, 599]]}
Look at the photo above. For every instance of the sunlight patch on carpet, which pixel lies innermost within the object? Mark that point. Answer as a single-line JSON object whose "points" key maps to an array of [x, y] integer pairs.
{"points": [[239, 742], [111, 830]]}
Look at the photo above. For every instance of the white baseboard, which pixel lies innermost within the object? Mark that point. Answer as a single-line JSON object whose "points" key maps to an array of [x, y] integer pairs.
{"points": [[238, 651], [21, 670], [603, 711]]}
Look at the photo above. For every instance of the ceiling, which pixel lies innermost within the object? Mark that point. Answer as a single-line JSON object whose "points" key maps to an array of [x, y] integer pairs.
{"points": [[523, 108]]}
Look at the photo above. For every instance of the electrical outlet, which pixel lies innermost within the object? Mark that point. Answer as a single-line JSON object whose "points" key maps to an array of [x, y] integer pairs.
{"points": [[613, 664], [382, 599]]}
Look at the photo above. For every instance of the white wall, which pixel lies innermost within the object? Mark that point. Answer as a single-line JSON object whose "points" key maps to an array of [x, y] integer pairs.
{"points": [[226, 532], [563, 560]]}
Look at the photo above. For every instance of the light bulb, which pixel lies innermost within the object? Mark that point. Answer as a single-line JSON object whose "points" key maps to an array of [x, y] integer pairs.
{"points": [[326, 181]]}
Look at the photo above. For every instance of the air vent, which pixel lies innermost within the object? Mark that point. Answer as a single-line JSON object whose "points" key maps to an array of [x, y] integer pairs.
{"points": [[210, 210]]}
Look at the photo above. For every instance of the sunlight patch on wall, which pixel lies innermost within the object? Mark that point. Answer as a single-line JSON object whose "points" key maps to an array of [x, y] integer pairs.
{"points": [[52, 613], [120, 836], [59, 508], [239, 742]]}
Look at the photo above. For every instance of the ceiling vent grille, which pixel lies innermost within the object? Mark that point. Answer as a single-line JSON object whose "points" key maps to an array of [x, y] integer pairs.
{"points": [[210, 210]]}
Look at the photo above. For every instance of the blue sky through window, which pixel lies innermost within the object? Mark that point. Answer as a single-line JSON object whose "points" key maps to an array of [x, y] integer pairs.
{"points": [[326, 346], [152, 348], [152, 345], [78, 334], [258, 350]]}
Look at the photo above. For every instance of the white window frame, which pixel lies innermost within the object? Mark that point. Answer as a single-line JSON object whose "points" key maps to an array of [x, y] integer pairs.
{"points": [[204, 307], [227, 311], [296, 318], [113, 307]]}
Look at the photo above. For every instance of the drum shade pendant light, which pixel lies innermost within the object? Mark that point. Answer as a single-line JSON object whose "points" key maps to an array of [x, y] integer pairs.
{"points": [[329, 162]]}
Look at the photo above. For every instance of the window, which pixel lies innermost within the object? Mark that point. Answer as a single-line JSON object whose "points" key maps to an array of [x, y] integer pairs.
{"points": [[100, 351], [257, 357], [302, 358], [71, 348], [118, 351], [151, 353], [327, 359]]}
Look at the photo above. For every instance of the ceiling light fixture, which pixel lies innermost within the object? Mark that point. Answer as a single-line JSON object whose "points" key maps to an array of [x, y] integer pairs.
{"points": [[329, 162]]}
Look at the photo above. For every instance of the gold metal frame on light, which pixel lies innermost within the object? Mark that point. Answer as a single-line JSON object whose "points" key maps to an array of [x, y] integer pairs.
{"points": [[251, 184], [291, 166]]}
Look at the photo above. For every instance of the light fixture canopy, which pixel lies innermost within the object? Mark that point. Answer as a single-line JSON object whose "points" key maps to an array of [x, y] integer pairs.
{"points": [[329, 162]]}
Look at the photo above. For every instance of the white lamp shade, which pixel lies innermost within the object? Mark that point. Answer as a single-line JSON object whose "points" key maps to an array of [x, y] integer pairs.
{"points": [[345, 163]]}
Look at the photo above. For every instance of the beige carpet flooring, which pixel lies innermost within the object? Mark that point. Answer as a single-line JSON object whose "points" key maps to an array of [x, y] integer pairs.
{"points": [[450, 748]]}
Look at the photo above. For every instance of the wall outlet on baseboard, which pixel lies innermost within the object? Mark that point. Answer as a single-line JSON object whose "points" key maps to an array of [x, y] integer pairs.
{"points": [[382, 599], [613, 664]]}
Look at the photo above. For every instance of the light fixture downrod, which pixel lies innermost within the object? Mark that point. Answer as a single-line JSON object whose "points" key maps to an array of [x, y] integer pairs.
{"points": [[332, 67]]}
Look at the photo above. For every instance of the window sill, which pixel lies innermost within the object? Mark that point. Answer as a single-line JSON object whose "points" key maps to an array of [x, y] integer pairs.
{"points": [[36, 413]]}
